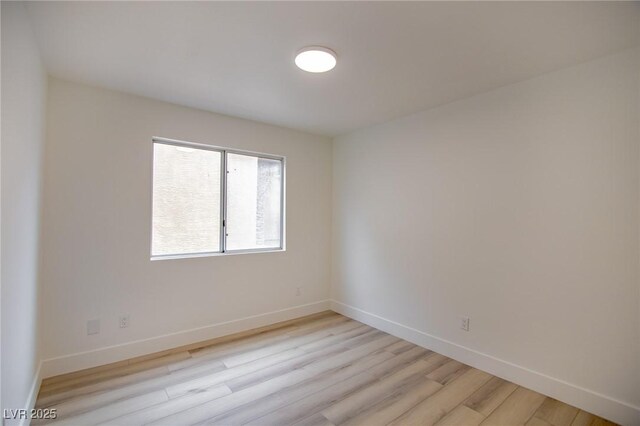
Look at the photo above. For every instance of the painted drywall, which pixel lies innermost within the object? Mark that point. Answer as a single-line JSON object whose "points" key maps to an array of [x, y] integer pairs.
{"points": [[517, 208], [97, 227], [23, 119]]}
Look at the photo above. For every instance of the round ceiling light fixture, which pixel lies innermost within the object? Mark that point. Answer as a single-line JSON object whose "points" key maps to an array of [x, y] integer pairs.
{"points": [[316, 59]]}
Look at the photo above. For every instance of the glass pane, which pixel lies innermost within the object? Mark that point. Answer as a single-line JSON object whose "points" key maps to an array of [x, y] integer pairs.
{"points": [[186, 200], [254, 191]]}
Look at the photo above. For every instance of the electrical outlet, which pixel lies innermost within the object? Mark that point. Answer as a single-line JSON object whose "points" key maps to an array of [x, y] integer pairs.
{"points": [[298, 291], [93, 327], [124, 321], [464, 323]]}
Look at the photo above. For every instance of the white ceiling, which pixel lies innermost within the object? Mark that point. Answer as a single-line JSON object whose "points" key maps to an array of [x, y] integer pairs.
{"points": [[393, 58]]}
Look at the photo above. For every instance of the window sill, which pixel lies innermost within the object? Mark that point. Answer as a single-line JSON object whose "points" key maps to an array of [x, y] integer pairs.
{"points": [[216, 254]]}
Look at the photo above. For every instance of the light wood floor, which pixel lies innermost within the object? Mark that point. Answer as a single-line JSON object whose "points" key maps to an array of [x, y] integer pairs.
{"points": [[324, 369]]}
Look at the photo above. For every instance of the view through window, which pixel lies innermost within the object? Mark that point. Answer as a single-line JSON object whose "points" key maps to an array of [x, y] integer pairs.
{"points": [[214, 200]]}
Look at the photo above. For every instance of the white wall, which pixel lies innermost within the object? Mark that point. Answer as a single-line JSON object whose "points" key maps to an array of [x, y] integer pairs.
{"points": [[517, 208], [96, 239], [23, 119]]}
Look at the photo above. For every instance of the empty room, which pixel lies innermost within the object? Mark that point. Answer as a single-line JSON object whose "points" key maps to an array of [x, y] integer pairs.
{"points": [[320, 213]]}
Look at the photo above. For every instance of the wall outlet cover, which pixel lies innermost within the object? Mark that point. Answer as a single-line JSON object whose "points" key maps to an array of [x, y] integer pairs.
{"points": [[124, 321], [93, 327], [464, 323]]}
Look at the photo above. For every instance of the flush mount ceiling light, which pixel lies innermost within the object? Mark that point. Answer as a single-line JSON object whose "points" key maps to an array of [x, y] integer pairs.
{"points": [[316, 59]]}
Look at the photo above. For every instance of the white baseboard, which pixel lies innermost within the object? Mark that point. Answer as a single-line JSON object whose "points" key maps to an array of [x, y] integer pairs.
{"points": [[106, 355], [588, 400], [33, 394]]}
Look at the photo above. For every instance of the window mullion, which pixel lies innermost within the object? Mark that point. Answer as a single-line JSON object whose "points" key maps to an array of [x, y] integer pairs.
{"points": [[223, 204]]}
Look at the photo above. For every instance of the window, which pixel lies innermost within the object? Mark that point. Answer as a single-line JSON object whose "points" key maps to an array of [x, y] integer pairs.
{"points": [[215, 200]]}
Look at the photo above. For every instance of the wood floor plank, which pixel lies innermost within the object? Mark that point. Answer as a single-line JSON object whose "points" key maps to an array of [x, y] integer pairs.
{"points": [[307, 407], [599, 421], [400, 347], [114, 383], [169, 407], [461, 416], [204, 412], [311, 326], [266, 373], [537, 421], [93, 375], [583, 419], [358, 330], [517, 409], [234, 347], [324, 369], [198, 383], [436, 361], [347, 367], [217, 353], [351, 355], [206, 381], [189, 378], [314, 385], [297, 410], [490, 396], [114, 410], [248, 335], [215, 408], [281, 327], [315, 337], [556, 413], [359, 401], [587, 419], [94, 401], [448, 372], [434, 408], [394, 405], [316, 420], [342, 341], [240, 342], [73, 375], [109, 374]]}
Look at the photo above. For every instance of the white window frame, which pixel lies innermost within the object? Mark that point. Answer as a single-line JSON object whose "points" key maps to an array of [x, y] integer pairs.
{"points": [[223, 199]]}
